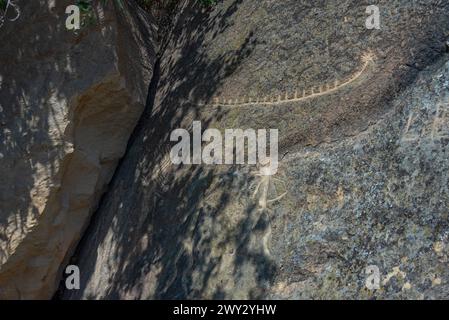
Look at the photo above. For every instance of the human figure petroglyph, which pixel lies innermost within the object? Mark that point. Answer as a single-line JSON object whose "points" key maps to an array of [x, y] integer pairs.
{"points": [[266, 179], [266, 182]]}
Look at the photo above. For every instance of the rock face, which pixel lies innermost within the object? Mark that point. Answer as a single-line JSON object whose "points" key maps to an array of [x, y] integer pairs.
{"points": [[69, 102], [365, 166]]}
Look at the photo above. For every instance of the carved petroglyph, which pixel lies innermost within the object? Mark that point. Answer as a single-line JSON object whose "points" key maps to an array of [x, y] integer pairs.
{"points": [[15, 7], [440, 125], [303, 154], [410, 135], [266, 189], [433, 129], [266, 181], [264, 186], [299, 95]]}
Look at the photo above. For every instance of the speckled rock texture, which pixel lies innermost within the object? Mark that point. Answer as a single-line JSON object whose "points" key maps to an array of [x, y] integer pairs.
{"points": [[365, 167], [68, 104]]}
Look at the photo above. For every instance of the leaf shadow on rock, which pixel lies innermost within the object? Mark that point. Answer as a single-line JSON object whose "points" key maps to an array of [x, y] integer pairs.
{"points": [[156, 233]]}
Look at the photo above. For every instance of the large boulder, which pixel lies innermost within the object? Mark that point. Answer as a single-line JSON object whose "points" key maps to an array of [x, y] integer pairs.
{"points": [[364, 166], [69, 101]]}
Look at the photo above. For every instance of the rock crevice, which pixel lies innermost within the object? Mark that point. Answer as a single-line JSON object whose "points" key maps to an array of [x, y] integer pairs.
{"points": [[77, 97]]}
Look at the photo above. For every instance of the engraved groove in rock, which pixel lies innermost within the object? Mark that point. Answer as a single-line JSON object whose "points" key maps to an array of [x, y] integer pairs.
{"points": [[314, 92]]}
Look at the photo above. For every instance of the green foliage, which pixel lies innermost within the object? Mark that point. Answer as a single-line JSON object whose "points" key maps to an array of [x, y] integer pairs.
{"points": [[84, 5], [3, 4], [87, 14]]}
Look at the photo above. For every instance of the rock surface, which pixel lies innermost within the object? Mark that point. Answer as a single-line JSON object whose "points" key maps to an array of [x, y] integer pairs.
{"points": [[69, 102], [365, 167]]}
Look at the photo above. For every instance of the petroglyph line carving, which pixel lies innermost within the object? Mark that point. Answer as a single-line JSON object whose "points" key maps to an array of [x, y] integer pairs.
{"points": [[299, 155], [407, 135], [440, 125], [415, 131], [9, 4], [299, 95], [261, 191]]}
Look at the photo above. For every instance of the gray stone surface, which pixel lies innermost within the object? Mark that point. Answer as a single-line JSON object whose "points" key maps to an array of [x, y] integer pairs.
{"points": [[364, 167], [68, 104]]}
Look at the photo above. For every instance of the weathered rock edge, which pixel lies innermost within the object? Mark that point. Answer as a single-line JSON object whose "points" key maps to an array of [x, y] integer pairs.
{"points": [[69, 104]]}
